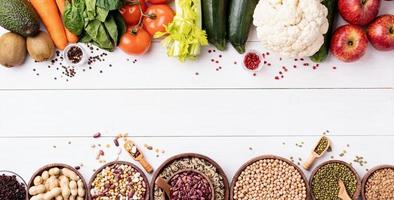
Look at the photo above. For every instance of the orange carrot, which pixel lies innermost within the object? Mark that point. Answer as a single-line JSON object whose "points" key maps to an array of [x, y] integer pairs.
{"points": [[47, 10], [71, 37]]}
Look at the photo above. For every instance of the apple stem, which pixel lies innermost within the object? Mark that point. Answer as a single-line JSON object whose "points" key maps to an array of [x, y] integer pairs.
{"points": [[391, 30], [350, 43], [364, 2]]}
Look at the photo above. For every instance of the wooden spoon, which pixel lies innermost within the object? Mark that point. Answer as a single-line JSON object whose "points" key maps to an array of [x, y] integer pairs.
{"points": [[163, 184], [342, 191], [313, 156], [137, 155]]}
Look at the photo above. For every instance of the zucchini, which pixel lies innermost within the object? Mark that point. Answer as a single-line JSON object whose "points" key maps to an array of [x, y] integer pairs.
{"points": [[214, 22], [322, 54], [239, 21]]}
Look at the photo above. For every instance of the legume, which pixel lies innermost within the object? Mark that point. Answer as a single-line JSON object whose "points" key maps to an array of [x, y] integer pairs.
{"points": [[321, 146], [118, 180], [270, 179], [11, 188], [56, 183], [325, 181], [190, 185], [380, 185], [193, 163]]}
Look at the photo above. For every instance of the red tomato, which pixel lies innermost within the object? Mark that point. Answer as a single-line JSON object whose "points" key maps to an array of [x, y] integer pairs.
{"points": [[157, 1], [135, 43], [131, 11], [158, 16]]}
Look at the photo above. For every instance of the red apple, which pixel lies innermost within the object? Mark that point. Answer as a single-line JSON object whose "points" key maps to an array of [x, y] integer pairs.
{"points": [[359, 12], [349, 43], [381, 33]]}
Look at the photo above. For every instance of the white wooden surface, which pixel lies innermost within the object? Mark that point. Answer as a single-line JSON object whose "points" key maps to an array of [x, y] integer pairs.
{"points": [[26, 155], [221, 114]]}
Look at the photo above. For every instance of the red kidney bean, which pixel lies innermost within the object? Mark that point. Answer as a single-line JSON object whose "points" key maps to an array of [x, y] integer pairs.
{"points": [[190, 185]]}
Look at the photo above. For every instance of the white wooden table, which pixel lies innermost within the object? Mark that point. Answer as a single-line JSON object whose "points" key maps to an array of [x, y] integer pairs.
{"points": [[229, 115]]}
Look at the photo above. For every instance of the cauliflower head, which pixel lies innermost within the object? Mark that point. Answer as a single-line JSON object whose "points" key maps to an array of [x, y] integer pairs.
{"points": [[291, 28]]}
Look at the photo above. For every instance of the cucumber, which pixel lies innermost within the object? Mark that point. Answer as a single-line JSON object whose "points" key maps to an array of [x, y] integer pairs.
{"points": [[214, 22], [322, 54], [239, 21]]}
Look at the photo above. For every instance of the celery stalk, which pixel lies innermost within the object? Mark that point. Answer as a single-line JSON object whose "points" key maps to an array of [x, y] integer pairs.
{"points": [[184, 35]]}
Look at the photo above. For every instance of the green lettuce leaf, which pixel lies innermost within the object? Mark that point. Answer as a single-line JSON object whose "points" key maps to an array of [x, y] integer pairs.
{"points": [[110, 4], [90, 9], [73, 16], [110, 26], [102, 14], [99, 35]]}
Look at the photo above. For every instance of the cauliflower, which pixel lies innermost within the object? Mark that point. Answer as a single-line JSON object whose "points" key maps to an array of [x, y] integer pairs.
{"points": [[292, 28]]}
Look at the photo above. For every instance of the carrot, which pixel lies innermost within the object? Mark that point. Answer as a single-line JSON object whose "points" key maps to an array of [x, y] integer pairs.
{"points": [[71, 37], [47, 10]]}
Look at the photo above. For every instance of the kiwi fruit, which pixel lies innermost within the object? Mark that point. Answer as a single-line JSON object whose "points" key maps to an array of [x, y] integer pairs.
{"points": [[12, 50], [40, 47]]}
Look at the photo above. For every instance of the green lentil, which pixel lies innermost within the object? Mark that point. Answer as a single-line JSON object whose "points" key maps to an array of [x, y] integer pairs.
{"points": [[325, 181], [321, 146]]}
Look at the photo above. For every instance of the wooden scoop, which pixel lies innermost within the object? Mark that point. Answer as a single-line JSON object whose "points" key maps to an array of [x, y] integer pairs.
{"points": [[166, 187], [342, 191], [137, 155], [313, 156], [163, 184]]}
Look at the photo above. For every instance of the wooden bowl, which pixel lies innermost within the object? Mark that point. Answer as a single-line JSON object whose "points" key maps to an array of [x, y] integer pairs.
{"points": [[18, 178], [58, 165], [358, 187], [186, 155], [120, 163], [369, 174], [263, 157]]}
